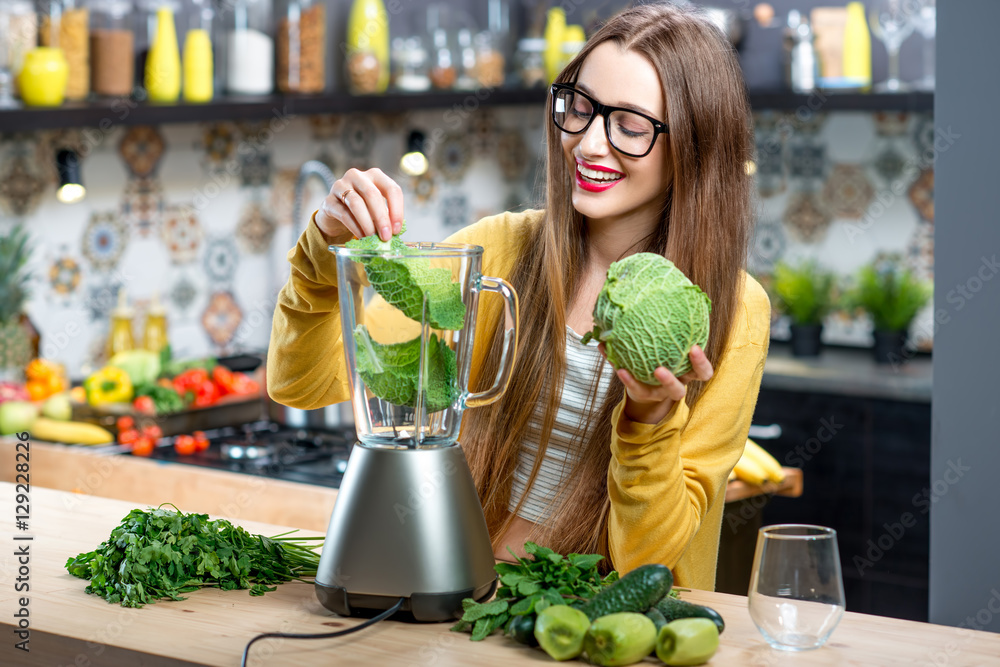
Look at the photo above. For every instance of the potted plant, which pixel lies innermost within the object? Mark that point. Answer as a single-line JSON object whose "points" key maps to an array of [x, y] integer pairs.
{"points": [[892, 296], [16, 332], [805, 293]]}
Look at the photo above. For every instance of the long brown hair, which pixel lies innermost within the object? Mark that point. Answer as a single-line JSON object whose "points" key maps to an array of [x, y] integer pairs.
{"points": [[704, 229]]}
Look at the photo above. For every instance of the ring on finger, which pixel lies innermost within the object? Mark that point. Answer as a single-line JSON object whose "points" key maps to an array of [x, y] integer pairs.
{"points": [[343, 196]]}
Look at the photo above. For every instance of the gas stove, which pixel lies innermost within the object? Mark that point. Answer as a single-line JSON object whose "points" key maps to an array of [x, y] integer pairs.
{"points": [[271, 450]]}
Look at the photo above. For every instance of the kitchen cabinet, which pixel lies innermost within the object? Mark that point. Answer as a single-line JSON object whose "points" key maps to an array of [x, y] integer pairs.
{"points": [[866, 464], [211, 627]]}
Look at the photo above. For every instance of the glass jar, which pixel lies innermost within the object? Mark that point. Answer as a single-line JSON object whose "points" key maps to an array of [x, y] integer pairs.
{"points": [[302, 47], [19, 24], [490, 61], [466, 61], [529, 62], [368, 47], [410, 65], [250, 47], [443, 72], [65, 25], [197, 61], [112, 47]]}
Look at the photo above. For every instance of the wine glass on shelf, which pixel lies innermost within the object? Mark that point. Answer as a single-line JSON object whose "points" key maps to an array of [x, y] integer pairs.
{"points": [[925, 22], [892, 24]]}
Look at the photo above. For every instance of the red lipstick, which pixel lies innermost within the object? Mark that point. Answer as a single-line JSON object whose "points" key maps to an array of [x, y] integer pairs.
{"points": [[590, 186]]}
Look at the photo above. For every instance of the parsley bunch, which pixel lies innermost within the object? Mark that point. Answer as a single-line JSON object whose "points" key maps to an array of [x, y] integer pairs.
{"points": [[529, 586], [160, 554]]}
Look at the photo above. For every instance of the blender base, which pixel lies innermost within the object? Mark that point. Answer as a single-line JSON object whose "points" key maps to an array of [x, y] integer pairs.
{"points": [[427, 607], [407, 523]]}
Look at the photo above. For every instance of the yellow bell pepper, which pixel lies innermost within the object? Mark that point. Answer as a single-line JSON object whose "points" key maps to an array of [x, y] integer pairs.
{"points": [[108, 385]]}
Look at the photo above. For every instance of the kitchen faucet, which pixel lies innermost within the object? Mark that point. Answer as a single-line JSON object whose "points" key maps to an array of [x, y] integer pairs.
{"points": [[310, 168]]}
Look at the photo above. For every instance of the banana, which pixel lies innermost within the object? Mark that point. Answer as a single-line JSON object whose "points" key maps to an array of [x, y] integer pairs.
{"points": [[750, 471], [72, 433], [770, 465]]}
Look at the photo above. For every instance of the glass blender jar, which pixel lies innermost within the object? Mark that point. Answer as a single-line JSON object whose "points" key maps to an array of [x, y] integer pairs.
{"points": [[407, 522]]}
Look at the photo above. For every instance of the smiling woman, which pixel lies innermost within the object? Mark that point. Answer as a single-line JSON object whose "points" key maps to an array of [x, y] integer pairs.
{"points": [[648, 136]]}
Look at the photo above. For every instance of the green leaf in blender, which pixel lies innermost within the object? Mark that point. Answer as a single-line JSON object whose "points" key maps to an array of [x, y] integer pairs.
{"points": [[390, 371], [404, 282]]}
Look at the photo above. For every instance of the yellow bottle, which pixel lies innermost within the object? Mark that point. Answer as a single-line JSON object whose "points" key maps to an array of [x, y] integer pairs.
{"points": [[857, 52], [198, 66], [163, 65], [573, 40], [154, 336], [367, 36], [121, 338], [555, 26]]}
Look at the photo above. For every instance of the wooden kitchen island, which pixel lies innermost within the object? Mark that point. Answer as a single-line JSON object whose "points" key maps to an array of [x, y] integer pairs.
{"points": [[211, 627]]}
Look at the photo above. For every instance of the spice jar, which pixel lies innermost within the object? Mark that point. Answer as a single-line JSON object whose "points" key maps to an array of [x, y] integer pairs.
{"points": [[530, 62], [302, 47], [410, 65], [250, 47], [443, 72], [65, 25], [112, 45], [19, 27], [368, 47], [490, 62]]}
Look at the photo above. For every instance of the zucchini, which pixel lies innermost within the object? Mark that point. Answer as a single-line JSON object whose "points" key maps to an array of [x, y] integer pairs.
{"points": [[673, 609], [637, 591]]}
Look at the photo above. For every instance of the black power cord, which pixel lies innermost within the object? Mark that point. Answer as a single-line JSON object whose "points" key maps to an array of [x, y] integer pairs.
{"points": [[323, 635]]}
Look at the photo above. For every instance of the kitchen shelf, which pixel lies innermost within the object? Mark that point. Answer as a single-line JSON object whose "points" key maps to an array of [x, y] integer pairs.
{"points": [[105, 114]]}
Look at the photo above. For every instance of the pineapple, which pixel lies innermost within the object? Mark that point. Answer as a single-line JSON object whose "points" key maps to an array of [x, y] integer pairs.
{"points": [[15, 341]]}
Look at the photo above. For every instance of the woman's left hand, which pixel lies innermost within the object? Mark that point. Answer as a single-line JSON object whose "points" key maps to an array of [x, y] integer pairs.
{"points": [[648, 404]]}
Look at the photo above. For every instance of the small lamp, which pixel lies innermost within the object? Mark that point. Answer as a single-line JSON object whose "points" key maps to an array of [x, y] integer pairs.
{"points": [[71, 188], [414, 162]]}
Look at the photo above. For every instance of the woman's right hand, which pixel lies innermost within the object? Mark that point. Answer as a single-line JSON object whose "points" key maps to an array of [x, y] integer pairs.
{"points": [[360, 204]]}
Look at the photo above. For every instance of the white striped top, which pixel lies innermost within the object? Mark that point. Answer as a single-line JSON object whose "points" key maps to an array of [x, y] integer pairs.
{"points": [[583, 363]]}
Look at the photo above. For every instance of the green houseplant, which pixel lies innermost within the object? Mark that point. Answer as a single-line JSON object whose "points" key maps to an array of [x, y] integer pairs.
{"points": [[804, 292], [15, 331], [892, 296]]}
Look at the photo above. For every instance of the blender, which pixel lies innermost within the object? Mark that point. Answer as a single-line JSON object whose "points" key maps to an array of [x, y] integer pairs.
{"points": [[407, 522]]}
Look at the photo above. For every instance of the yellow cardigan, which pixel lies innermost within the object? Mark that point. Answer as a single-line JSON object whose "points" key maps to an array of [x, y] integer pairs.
{"points": [[666, 481]]}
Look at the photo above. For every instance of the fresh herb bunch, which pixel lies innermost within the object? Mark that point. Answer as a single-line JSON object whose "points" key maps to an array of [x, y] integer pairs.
{"points": [[160, 554], [890, 293], [804, 291], [529, 586]]}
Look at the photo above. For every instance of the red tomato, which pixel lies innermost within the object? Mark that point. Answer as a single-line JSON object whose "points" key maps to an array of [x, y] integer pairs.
{"points": [[128, 436], [152, 431], [125, 423], [185, 445], [143, 446], [200, 441], [145, 405]]}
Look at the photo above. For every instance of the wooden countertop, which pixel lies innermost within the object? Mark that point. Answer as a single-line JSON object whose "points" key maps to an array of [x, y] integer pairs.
{"points": [[211, 627]]}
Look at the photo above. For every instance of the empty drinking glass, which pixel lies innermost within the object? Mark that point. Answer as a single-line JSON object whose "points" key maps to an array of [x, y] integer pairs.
{"points": [[891, 23], [925, 21], [796, 595]]}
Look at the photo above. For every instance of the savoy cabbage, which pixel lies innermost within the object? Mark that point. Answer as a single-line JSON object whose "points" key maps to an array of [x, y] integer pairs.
{"points": [[649, 314]]}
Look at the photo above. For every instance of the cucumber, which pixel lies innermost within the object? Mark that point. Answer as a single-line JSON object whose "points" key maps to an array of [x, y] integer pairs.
{"points": [[637, 591], [658, 619], [673, 609], [522, 629], [620, 639]]}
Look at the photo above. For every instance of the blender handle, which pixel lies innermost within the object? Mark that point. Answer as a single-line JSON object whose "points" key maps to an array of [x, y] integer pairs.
{"points": [[509, 350]]}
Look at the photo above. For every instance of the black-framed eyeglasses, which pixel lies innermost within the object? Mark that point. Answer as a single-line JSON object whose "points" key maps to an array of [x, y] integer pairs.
{"points": [[630, 132]]}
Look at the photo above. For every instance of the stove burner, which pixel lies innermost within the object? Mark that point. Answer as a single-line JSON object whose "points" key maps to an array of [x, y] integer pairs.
{"points": [[267, 449]]}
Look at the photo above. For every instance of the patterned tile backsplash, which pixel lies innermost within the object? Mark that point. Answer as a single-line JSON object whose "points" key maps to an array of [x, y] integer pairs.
{"points": [[199, 216]]}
